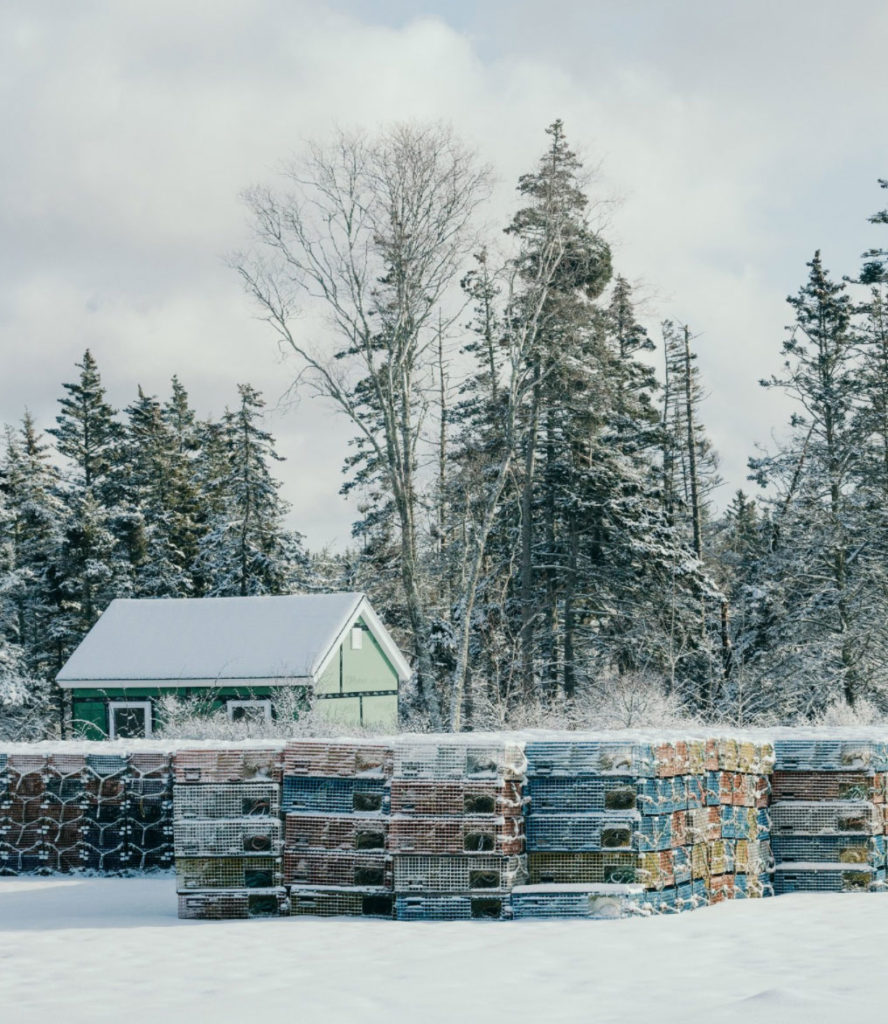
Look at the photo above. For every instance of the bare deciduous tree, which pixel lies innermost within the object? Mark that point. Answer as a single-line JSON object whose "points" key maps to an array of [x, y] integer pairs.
{"points": [[376, 231]]}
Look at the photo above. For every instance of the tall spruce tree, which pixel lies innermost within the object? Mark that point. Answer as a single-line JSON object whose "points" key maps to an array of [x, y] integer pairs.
{"points": [[154, 480], [554, 219], [824, 606], [101, 541], [29, 483], [247, 550]]}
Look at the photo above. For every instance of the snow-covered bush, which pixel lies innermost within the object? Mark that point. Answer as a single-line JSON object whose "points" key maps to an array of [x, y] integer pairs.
{"points": [[196, 718], [27, 711], [630, 700], [840, 713]]}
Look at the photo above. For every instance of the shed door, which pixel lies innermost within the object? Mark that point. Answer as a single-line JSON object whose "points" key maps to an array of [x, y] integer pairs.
{"points": [[129, 719]]}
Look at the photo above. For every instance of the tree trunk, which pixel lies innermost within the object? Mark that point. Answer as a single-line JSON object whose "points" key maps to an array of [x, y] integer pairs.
{"points": [[527, 533]]}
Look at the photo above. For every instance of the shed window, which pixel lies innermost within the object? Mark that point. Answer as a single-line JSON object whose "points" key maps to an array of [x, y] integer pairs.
{"points": [[357, 638], [129, 719], [249, 710]]}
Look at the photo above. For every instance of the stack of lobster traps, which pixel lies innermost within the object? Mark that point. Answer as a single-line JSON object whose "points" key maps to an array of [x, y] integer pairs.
{"points": [[227, 832], [600, 827], [616, 828], [336, 798], [457, 827], [126, 812], [736, 827], [64, 812], [41, 812], [828, 815]]}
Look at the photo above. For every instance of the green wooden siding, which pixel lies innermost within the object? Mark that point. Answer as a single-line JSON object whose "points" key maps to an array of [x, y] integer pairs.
{"points": [[364, 669]]}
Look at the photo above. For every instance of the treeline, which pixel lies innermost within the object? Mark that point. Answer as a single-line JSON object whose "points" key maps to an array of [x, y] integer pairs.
{"points": [[533, 473], [536, 511], [150, 502]]}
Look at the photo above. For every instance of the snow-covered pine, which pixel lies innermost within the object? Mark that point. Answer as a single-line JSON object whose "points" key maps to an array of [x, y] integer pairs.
{"points": [[247, 548], [821, 610], [158, 490]]}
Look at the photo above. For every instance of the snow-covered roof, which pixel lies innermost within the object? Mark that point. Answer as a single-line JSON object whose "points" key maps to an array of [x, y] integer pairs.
{"points": [[221, 640]]}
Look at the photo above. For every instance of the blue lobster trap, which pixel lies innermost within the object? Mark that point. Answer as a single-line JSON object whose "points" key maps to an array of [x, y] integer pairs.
{"points": [[451, 908], [654, 832], [735, 823], [695, 792], [596, 902], [844, 849], [817, 817], [662, 901], [833, 755], [662, 796], [828, 878], [562, 794], [681, 865], [327, 795], [690, 895], [581, 832], [589, 757]]}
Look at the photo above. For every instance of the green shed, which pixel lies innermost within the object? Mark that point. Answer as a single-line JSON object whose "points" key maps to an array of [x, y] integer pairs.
{"points": [[237, 652]]}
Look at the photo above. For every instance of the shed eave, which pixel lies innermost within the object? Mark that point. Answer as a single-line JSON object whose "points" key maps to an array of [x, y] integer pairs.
{"points": [[179, 682], [364, 610]]}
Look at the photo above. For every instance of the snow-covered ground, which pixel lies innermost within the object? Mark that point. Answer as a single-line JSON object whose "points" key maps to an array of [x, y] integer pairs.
{"points": [[106, 949]]}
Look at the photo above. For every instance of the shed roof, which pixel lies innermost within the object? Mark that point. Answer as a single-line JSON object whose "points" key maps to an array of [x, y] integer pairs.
{"points": [[220, 639]]}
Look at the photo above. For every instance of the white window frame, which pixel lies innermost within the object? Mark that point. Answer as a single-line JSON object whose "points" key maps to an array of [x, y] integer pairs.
{"points": [[357, 638], [123, 704], [265, 703]]}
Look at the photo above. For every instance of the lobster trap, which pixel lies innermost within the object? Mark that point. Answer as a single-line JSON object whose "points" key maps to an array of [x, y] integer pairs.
{"points": [[564, 794], [588, 868], [227, 800], [228, 873], [836, 849], [459, 760], [331, 795], [451, 908], [453, 797], [594, 757], [828, 786], [332, 902], [335, 832], [234, 905], [456, 834], [830, 755], [338, 758], [825, 878], [584, 832], [236, 837], [459, 874], [362, 870], [233, 765], [815, 817], [595, 902]]}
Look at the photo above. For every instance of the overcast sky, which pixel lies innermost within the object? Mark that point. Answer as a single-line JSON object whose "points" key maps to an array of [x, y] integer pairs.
{"points": [[739, 136]]}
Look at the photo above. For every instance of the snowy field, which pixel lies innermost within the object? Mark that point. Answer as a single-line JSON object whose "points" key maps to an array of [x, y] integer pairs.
{"points": [[107, 949]]}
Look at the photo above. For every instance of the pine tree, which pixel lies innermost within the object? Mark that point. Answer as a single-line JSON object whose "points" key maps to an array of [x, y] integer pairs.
{"points": [[102, 538], [154, 477], [554, 220], [247, 549], [29, 482], [824, 605], [875, 269]]}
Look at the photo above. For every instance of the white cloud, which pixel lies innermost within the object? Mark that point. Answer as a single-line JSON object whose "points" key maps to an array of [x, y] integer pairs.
{"points": [[740, 138]]}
